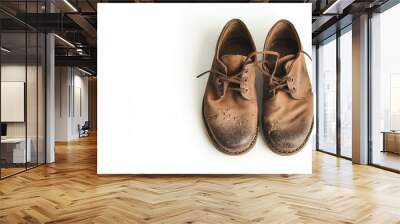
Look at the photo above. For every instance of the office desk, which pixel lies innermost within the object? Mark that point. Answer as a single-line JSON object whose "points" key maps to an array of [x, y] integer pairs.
{"points": [[13, 150], [391, 141]]}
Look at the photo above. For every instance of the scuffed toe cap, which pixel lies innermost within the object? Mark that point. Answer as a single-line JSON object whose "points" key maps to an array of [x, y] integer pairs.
{"points": [[232, 130], [287, 141], [233, 140]]}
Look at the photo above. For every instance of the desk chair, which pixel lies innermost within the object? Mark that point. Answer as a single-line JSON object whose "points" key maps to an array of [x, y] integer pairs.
{"points": [[84, 130]]}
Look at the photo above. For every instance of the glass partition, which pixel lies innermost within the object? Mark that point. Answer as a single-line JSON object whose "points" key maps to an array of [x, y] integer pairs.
{"points": [[22, 101], [35, 62], [14, 153], [32, 95], [41, 107]]}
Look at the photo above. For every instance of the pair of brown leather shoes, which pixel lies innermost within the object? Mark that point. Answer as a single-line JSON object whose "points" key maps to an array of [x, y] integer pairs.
{"points": [[230, 109]]}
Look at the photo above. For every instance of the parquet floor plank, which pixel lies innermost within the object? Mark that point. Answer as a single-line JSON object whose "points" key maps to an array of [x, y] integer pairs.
{"points": [[70, 191]]}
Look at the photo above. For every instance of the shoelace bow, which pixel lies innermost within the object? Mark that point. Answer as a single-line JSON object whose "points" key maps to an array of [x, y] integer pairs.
{"points": [[275, 83]]}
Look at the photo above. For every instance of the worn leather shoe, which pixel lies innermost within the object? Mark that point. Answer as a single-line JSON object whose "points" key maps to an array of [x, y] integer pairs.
{"points": [[287, 116], [230, 110]]}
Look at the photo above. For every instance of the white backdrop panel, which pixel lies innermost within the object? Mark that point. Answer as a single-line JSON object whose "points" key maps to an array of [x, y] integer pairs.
{"points": [[149, 101]]}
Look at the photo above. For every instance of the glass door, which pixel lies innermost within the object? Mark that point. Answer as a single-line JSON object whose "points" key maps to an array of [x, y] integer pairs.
{"points": [[14, 153]]}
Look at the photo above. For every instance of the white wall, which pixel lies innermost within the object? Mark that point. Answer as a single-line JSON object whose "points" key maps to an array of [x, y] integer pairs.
{"points": [[62, 81], [9, 73], [81, 83], [17, 72], [70, 109]]}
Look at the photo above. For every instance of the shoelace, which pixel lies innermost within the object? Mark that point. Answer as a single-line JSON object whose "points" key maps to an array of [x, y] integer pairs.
{"points": [[275, 83], [231, 78]]}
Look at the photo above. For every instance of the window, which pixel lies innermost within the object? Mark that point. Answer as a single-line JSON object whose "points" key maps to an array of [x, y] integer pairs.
{"points": [[346, 75], [385, 89], [327, 96], [334, 106], [394, 114]]}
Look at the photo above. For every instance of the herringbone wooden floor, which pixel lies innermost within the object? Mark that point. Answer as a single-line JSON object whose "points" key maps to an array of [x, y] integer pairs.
{"points": [[69, 191]]}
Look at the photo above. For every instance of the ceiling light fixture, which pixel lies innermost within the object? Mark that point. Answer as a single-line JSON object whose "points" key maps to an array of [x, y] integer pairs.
{"points": [[337, 7], [70, 5], [5, 50], [65, 41], [80, 51], [84, 71]]}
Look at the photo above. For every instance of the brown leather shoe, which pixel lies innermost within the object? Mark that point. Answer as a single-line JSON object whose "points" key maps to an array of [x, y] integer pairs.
{"points": [[230, 110], [287, 117]]}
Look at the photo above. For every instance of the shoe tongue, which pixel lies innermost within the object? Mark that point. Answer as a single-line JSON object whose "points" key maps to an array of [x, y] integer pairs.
{"points": [[233, 62], [282, 66], [288, 65]]}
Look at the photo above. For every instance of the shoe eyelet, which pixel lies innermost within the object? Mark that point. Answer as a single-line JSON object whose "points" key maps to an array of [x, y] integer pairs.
{"points": [[294, 89], [291, 79], [246, 90]]}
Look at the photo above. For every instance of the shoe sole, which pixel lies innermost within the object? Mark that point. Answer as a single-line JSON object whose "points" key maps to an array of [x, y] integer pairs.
{"points": [[218, 146]]}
